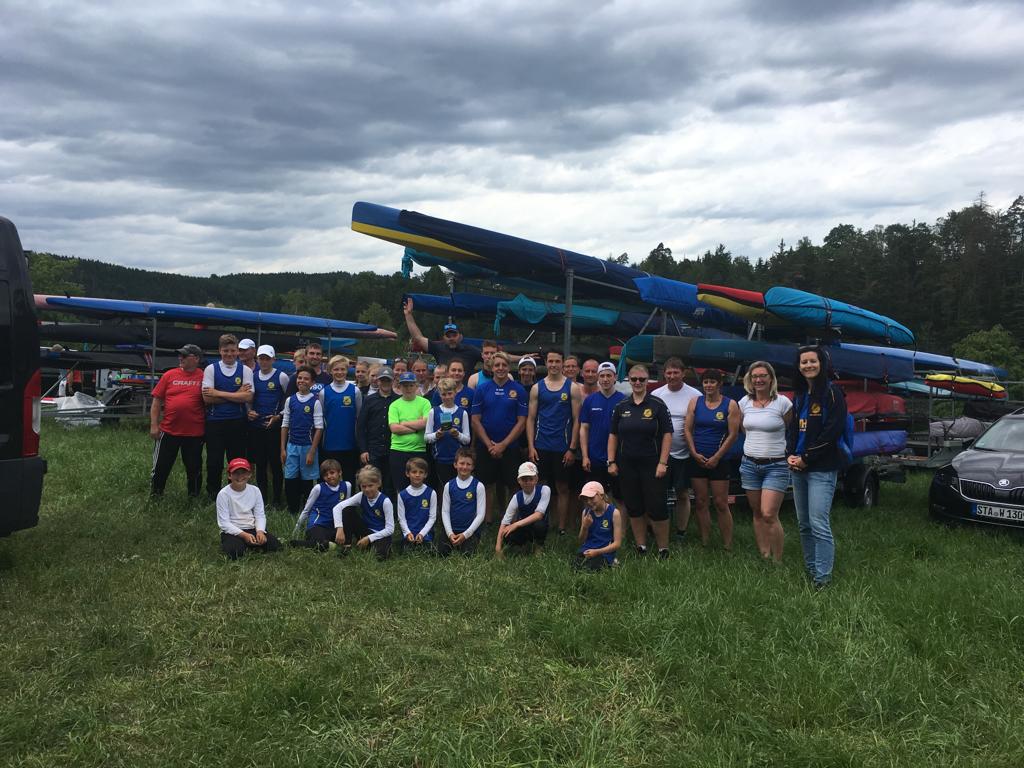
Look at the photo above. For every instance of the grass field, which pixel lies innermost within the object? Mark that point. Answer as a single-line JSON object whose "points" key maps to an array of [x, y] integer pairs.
{"points": [[129, 640]]}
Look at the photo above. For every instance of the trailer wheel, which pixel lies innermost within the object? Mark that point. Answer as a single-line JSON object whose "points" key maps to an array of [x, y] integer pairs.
{"points": [[860, 486]]}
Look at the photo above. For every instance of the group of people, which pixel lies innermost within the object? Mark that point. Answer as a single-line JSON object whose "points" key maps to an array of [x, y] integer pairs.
{"points": [[448, 449]]}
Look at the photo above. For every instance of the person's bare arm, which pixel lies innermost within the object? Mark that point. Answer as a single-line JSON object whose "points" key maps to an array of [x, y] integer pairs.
{"points": [[531, 424], [419, 341]]}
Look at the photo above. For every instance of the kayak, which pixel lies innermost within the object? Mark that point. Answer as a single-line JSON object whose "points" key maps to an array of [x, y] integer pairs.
{"points": [[809, 310], [963, 385]]}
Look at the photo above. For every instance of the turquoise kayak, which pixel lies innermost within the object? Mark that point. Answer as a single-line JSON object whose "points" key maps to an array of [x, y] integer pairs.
{"points": [[808, 310]]}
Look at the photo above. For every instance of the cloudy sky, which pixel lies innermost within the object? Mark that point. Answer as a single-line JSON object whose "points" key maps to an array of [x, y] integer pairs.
{"points": [[203, 137]]}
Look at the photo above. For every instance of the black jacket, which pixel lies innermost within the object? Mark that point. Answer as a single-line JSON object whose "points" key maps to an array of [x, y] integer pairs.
{"points": [[826, 422], [372, 433]]}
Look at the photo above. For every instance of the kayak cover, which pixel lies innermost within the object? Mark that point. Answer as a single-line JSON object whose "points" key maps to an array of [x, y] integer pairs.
{"points": [[880, 443], [812, 311], [681, 298]]}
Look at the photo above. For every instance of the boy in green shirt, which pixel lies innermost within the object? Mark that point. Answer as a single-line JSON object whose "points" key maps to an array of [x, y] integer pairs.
{"points": [[407, 420]]}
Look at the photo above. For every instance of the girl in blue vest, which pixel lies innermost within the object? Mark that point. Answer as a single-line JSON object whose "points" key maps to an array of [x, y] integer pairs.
{"points": [[301, 427], [600, 530], [447, 430], [463, 505], [342, 401], [318, 515], [367, 519], [526, 518], [417, 508]]}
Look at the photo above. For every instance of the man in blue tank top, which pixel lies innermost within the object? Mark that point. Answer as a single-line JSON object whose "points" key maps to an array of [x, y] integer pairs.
{"points": [[553, 430], [227, 389]]}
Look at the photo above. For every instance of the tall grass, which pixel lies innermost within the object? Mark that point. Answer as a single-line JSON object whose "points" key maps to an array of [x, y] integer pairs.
{"points": [[129, 640]]}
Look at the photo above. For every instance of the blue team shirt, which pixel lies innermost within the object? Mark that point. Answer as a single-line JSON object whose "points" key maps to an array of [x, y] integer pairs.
{"points": [[417, 510], [601, 532], [597, 412], [339, 418], [463, 398], [499, 407], [554, 417], [322, 511]]}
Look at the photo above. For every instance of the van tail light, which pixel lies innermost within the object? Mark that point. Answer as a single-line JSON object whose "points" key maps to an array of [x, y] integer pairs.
{"points": [[32, 408]]}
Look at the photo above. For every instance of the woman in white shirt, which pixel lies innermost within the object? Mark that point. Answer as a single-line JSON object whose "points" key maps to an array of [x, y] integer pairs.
{"points": [[764, 471]]}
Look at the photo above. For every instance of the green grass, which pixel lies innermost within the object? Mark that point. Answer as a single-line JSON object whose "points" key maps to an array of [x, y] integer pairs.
{"points": [[129, 640]]}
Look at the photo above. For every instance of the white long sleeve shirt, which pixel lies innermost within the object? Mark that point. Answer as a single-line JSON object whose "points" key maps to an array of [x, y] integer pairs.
{"points": [[356, 501], [417, 492], [513, 504], [318, 410], [446, 507], [239, 511], [431, 434]]}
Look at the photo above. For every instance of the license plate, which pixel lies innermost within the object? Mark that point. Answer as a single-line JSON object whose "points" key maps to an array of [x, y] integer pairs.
{"points": [[998, 513]]}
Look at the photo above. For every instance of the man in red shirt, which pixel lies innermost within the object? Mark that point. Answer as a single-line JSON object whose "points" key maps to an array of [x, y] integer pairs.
{"points": [[179, 394]]}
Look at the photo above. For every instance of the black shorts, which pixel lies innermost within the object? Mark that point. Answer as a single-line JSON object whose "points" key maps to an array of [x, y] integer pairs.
{"points": [[643, 492], [551, 468], [599, 473], [489, 470], [696, 471], [678, 475]]}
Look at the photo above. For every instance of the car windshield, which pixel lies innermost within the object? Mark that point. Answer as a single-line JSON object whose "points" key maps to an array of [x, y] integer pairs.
{"points": [[1004, 435]]}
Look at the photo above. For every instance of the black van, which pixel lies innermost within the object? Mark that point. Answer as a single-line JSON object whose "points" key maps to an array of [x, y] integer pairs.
{"points": [[21, 468]]}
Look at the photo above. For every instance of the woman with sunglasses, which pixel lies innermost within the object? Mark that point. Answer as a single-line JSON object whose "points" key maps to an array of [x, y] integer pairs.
{"points": [[764, 471], [815, 457], [712, 426], [638, 444]]}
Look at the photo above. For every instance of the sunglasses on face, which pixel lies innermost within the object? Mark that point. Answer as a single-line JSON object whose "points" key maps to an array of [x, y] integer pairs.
{"points": [[638, 379]]}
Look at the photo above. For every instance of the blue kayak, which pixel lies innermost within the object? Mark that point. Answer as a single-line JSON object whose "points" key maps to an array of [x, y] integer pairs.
{"points": [[808, 310]]}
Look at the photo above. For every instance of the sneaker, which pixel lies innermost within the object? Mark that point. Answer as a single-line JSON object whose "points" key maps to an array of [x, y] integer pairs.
{"points": [[680, 536], [561, 531], [820, 586], [641, 550], [663, 554]]}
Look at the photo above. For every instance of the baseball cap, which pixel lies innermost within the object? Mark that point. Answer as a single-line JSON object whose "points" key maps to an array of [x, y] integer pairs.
{"points": [[527, 469], [591, 489], [527, 361], [606, 367], [239, 463], [265, 349], [247, 344], [387, 373], [406, 378], [451, 328], [190, 349]]}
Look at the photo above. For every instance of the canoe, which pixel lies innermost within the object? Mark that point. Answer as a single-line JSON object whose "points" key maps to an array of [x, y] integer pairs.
{"points": [[808, 310]]}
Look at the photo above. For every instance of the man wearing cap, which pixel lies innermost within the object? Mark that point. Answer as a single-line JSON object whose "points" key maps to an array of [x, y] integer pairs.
{"points": [[498, 416], [407, 421], [227, 391], [443, 351], [315, 360], [264, 440], [373, 438], [247, 354], [179, 395], [595, 423]]}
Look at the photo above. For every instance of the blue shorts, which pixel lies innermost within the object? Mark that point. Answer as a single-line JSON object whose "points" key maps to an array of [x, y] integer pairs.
{"points": [[764, 477], [295, 463]]}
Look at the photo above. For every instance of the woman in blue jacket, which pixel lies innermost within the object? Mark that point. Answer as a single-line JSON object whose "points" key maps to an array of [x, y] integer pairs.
{"points": [[815, 456]]}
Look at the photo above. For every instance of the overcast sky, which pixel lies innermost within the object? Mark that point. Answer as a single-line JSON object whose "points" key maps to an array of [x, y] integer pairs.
{"points": [[203, 137]]}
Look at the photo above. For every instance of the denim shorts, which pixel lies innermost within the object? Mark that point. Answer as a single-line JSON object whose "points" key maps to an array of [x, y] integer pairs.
{"points": [[764, 477]]}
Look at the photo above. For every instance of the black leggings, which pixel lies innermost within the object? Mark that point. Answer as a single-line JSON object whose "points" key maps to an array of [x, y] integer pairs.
{"points": [[235, 546], [642, 492], [265, 454], [355, 529], [223, 438], [535, 533]]}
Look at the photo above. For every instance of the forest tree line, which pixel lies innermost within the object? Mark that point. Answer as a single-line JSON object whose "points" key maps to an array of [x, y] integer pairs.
{"points": [[945, 281]]}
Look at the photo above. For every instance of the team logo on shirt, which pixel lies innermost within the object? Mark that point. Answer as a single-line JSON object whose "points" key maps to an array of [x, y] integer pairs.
{"points": [[513, 394], [346, 400], [469, 495], [719, 415], [648, 413], [456, 421], [238, 379], [464, 401], [565, 396], [604, 523], [378, 512], [425, 504], [815, 410], [270, 385], [305, 408]]}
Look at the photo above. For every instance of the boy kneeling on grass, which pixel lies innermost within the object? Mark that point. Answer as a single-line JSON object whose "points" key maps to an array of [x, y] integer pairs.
{"points": [[600, 530], [417, 508], [240, 514], [463, 505], [526, 520], [318, 514], [366, 519]]}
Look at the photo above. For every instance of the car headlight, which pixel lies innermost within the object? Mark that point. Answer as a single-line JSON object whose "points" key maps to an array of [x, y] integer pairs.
{"points": [[947, 476]]}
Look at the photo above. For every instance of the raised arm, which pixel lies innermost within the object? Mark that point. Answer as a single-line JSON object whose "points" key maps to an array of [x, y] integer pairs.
{"points": [[419, 341]]}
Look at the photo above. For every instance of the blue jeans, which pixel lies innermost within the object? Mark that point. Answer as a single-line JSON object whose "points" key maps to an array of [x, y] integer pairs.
{"points": [[812, 497]]}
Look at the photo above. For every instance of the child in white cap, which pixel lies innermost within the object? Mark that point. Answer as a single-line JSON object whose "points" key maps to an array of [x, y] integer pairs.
{"points": [[526, 518]]}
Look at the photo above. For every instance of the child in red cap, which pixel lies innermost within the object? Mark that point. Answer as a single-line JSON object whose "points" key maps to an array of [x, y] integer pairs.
{"points": [[240, 514]]}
